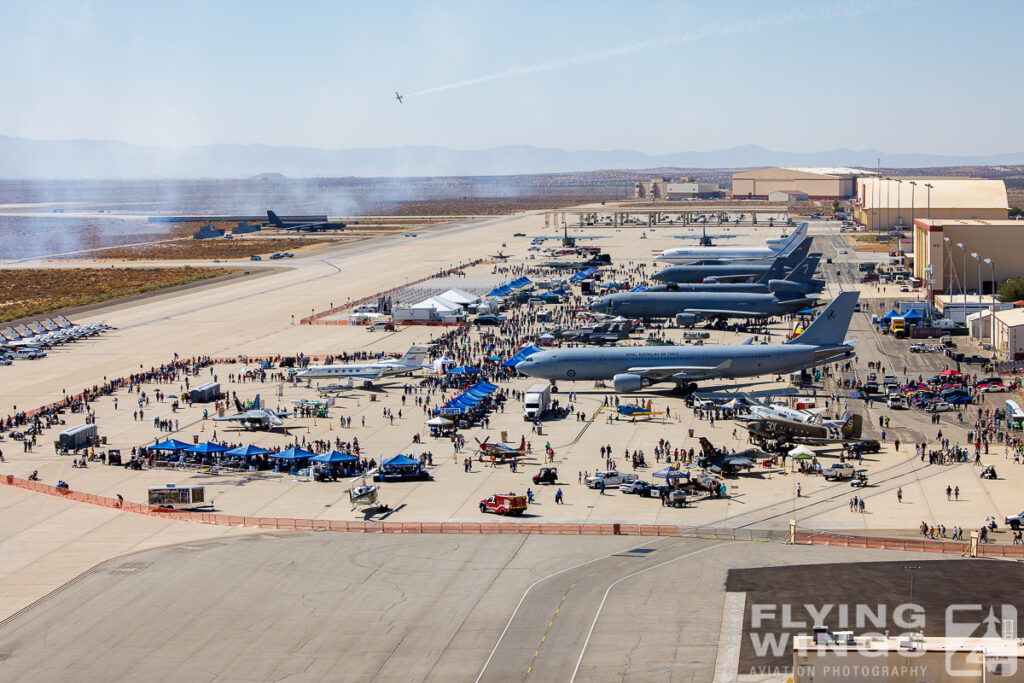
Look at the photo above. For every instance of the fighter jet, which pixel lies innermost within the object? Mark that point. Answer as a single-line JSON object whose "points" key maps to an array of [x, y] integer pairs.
{"points": [[368, 373], [726, 271], [798, 281], [631, 368], [398, 97], [690, 308], [276, 222], [257, 418], [727, 463], [693, 254]]}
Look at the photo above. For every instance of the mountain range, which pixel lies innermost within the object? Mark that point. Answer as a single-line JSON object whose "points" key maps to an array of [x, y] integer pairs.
{"points": [[22, 158]]}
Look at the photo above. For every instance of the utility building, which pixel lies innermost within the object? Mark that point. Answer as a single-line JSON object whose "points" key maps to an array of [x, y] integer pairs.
{"points": [[816, 183], [886, 203]]}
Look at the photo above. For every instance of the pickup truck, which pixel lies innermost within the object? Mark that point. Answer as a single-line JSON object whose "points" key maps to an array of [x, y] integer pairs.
{"points": [[1014, 521], [610, 478], [838, 471], [504, 504]]}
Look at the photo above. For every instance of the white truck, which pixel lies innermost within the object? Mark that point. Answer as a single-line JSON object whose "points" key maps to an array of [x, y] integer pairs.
{"points": [[839, 471], [536, 402], [611, 478]]}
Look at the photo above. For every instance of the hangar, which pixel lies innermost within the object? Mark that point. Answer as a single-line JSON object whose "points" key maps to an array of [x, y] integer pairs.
{"points": [[885, 203], [953, 268], [816, 183]]}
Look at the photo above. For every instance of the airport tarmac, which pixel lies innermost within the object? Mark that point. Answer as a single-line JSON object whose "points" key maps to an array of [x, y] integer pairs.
{"points": [[259, 317], [323, 606]]}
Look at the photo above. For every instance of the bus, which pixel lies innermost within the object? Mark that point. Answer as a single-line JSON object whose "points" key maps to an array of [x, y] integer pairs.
{"points": [[171, 497]]}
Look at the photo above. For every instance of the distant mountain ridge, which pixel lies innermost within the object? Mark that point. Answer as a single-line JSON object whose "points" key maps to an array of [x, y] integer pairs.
{"points": [[22, 158]]}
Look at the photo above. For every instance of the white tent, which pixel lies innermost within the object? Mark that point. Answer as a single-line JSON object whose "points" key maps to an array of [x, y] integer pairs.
{"points": [[438, 304], [440, 422], [459, 296], [801, 450], [442, 363]]}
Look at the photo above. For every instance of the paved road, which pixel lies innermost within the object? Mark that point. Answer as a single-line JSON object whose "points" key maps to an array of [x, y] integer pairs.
{"points": [[548, 635]]}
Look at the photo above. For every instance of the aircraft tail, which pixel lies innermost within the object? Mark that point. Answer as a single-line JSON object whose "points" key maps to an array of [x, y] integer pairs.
{"points": [[799, 253], [238, 405], [415, 356], [256, 403], [854, 425], [709, 450], [274, 220], [831, 325], [522, 445], [805, 270], [794, 239], [775, 271]]}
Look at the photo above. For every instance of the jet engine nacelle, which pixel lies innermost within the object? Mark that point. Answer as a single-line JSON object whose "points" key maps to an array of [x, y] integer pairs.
{"points": [[787, 287], [711, 280], [687, 319], [627, 383]]}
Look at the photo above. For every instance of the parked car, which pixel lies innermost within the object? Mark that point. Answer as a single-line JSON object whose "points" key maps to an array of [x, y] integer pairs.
{"points": [[634, 486], [838, 471], [503, 504], [991, 384], [30, 354], [609, 477], [939, 407], [255, 257], [5, 360], [975, 358], [495, 320], [1014, 521], [547, 475]]}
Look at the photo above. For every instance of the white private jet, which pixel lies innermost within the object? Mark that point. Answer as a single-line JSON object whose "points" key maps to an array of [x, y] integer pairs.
{"points": [[370, 372]]}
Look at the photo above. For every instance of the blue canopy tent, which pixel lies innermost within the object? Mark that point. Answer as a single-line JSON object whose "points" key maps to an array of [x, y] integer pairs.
{"points": [[669, 473], [805, 311], [334, 457], [292, 454], [582, 275], [247, 451], [639, 288], [893, 313], [464, 370], [207, 448], [494, 359], [400, 468], [912, 314], [170, 445]]}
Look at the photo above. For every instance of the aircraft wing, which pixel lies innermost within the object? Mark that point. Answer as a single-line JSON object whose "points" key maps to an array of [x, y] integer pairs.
{"points": [[681, 372], [251, 415], [721, 312]]}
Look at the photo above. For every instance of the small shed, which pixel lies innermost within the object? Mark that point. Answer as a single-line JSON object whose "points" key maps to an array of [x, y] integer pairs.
{"points": [[78, 437], [205, 393]]}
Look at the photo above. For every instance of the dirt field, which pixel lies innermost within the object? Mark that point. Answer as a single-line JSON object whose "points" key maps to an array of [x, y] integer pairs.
{"points": [[209, 249], [38, 291]]}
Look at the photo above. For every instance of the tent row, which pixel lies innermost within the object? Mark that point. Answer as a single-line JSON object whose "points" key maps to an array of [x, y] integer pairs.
{"points": [[509, 287], [469, 399]]}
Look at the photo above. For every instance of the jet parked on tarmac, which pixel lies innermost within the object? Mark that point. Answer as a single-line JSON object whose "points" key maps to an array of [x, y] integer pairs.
{"points": [[693, 254], [632, 368], [258, 417], [798, 281], [370, 372], [275, 222], [690, 308], [728, 271]]}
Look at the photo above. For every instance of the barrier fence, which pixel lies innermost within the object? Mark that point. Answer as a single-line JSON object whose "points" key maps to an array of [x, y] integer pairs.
{"points": [[542, 528]]}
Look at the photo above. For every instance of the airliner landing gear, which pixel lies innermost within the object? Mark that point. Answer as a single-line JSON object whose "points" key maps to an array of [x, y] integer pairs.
{"points": [[684, 389], [554, 388]]}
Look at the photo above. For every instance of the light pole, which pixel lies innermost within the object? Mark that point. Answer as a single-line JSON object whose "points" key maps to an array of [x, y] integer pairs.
{"points": [[911, 568], [963, 278], [929, 186], [888, 203], [981, 318], [992, 338]]}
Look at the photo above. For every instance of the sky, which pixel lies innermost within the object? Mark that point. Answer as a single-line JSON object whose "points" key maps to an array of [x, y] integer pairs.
{"points": [[926, 76]]}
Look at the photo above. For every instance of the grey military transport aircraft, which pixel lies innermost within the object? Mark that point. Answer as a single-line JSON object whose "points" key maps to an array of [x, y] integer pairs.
{"points": [[690, 308], [632, 368]]}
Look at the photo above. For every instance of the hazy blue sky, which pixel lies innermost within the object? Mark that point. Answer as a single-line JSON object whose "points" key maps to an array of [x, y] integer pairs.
{"points": [[938, 76]]}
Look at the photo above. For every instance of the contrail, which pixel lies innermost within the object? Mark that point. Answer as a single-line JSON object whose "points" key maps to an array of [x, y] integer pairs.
{"points": [[794, 16]]}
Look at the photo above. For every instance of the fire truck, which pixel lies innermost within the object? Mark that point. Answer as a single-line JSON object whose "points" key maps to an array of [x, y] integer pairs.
{"points": [[504, 504]]}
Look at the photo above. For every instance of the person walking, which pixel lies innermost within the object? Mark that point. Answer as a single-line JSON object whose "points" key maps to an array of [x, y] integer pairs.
{"points": [[956, 493], [949, 492], [558, 497], [899, 494]]}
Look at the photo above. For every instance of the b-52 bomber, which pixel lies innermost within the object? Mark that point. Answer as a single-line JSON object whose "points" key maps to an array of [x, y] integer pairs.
{"points": [[297, 226]]}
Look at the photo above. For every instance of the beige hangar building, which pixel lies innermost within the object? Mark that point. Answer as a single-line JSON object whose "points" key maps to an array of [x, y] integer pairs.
{"points": [[885, 203], [935, 246], [816, 183]]}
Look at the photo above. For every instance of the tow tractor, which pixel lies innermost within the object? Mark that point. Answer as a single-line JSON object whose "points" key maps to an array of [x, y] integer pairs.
{"points": [[504, 504]]}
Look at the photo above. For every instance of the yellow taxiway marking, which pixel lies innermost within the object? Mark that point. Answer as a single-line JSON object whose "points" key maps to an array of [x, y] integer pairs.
{"points": [[590, 575], [529, 670], [621, 563], [542, 639], [550, 623]]}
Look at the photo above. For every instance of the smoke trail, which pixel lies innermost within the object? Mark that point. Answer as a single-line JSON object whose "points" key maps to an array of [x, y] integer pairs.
{"points": [[793, 16]]}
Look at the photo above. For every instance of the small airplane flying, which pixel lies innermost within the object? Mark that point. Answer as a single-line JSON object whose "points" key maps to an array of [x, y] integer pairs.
{"points": [[275, 222], [398, 97], [257, 418], [368, 373], [499, 452]]}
